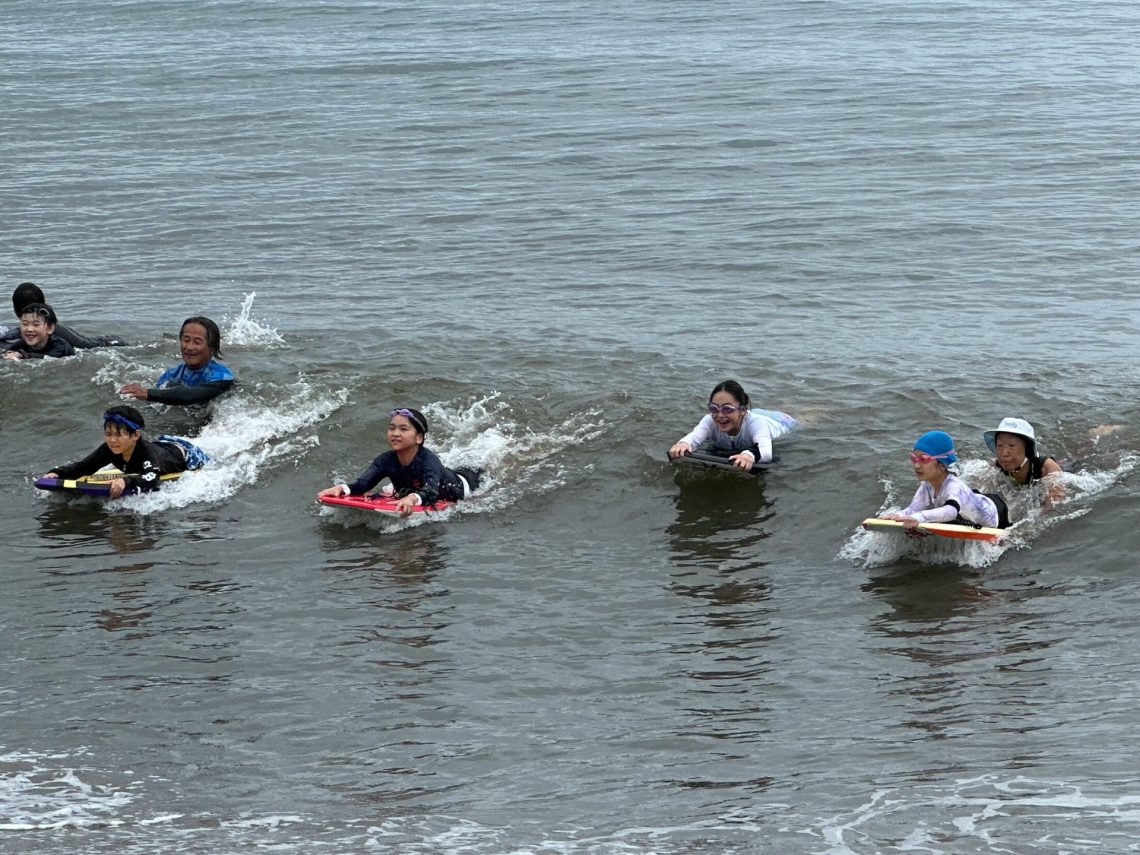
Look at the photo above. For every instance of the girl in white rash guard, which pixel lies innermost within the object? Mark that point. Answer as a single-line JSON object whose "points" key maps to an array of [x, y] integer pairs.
{"points": [[943, 497], [732, 427]]}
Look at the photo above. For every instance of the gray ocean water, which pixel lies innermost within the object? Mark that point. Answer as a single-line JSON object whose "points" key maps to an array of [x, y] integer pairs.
{"points": [[555, 227]]}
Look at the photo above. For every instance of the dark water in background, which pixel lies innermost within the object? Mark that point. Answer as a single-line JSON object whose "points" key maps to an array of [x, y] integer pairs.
{"points": [[555, 228]]}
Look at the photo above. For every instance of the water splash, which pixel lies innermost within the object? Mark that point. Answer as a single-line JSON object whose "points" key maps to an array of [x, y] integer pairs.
{"points": [[245, 331], [874, 549], [487, 433], [245, 438]]}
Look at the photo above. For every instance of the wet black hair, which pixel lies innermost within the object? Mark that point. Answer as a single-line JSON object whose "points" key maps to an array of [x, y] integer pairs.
{"points": [[25, 294], [40, 310], [213, 334], [122, 413], [733, 388]]}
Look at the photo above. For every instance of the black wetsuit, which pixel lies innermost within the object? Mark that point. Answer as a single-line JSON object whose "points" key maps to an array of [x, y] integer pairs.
{"points": [[1036, 470], [55, 347], [75, 339], [425, 475], [142, 472]]}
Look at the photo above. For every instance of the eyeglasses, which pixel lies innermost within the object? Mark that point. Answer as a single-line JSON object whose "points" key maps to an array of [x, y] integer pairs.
{"points": [[726, 409], [919, 457]]}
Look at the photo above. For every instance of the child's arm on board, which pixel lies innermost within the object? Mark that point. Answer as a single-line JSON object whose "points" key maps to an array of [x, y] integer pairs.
{"points": [[693, 439]]}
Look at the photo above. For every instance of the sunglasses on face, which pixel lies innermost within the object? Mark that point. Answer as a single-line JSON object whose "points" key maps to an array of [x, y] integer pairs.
{"points": [[726, 409]]}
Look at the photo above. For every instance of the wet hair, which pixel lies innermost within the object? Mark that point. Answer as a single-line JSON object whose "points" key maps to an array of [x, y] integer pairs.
{"points": [[40, 310], [213, 334], [125, 416], [25, 294], [418, 419], [733, 388]]}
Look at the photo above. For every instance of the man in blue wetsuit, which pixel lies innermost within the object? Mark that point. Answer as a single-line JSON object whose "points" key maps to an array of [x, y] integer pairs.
{"points": [[199, 378], [27, 294]]}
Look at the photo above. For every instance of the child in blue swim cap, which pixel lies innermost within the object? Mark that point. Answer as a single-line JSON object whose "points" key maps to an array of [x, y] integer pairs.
{"points": [[943, 497]]}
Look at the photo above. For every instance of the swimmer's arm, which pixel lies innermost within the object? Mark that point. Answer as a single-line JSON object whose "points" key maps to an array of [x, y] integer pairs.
{"points": [[188, 394], [912, 514], [944, 514], [93, 462], [75, 339], [761, 438], [693, 439], [1052, 475], [377, 471]]}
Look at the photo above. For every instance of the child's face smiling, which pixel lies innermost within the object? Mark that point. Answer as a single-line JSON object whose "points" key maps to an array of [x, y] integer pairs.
{"points": [[402, 434], [35, 331], [727, 422]]}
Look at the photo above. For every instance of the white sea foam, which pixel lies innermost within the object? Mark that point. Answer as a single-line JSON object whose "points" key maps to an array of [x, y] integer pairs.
{"points": [[49, 791], [244, 438], [483, 433], [1082, 489], [987, 813]]}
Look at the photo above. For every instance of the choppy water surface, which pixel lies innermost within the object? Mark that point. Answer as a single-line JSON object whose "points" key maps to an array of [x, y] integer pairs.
{"points": [[555, 229]]}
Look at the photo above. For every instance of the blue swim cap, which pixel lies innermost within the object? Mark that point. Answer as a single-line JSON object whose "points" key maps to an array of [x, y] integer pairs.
{"points": [[938, 444]]}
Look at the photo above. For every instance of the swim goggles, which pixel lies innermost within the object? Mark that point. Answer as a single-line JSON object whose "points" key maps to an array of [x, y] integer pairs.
{"points": [[726, 409], [410, 416], [919, 457]]}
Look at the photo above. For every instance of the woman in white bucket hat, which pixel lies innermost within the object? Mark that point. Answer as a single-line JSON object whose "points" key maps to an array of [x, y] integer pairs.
{"points": [[1015, 444]]}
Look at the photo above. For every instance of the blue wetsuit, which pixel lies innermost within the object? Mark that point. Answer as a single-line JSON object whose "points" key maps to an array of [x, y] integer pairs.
{"points": [[184, 385]]}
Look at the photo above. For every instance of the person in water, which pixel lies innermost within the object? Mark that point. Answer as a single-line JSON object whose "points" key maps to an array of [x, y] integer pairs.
{"points": [[417, 475], [943, 497], [1014, 443], [37, 335], [143, 462], [732, 426], [26, 294], [199, 378]]}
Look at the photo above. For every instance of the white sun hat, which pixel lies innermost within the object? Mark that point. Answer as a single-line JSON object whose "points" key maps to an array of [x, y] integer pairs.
{"points": [[1017, 427]]}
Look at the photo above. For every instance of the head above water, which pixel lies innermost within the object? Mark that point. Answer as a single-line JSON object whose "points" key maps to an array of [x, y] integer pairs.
{"points": [[1014, 427], [25, 294], [417, 419], [939, 445], [39, 311], [123, 418], [732, 388], [212, 333]]}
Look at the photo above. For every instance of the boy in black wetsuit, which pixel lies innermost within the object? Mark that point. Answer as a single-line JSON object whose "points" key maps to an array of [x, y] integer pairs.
{"points": [[27, 293], [142, 462], [37, 335]]}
